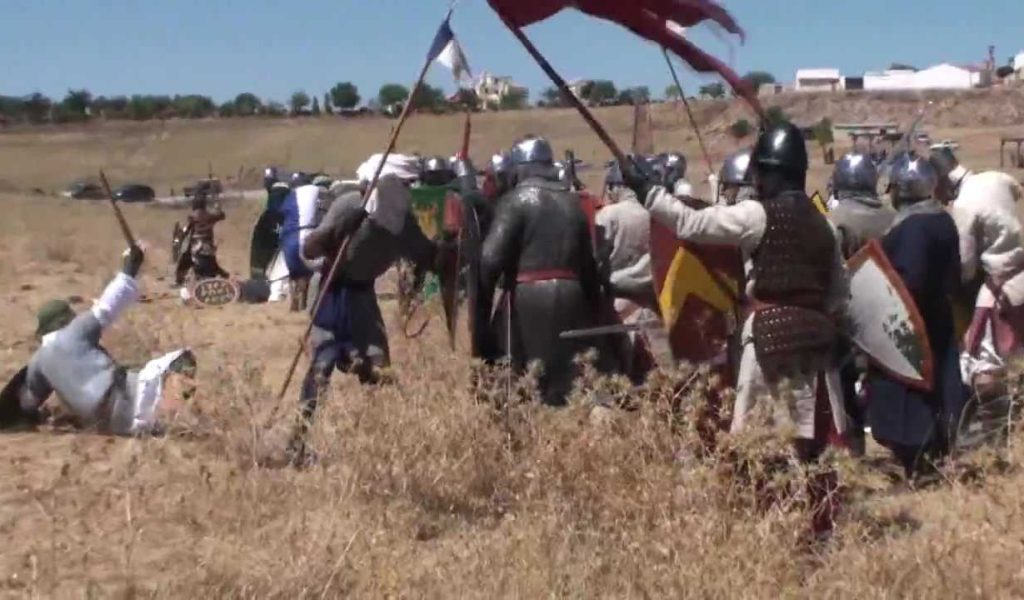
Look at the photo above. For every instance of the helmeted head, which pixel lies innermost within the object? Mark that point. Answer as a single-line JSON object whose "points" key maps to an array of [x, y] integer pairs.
{"points": [[300, 179], [500, 175], [199, 198], [911, 179], [322, 181], [269, 178], [735, 176], [949, 171], [436, 172], [53, 316], [779, 160], [855, 173], [673, 169], [532, 150], [464, 172]]}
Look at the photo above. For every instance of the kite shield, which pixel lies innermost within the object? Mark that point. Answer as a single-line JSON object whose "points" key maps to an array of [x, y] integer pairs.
{"points": [[698, 287], [884, 321], [214, 292]]}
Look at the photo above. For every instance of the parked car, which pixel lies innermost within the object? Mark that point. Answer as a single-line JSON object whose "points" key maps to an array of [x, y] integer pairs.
{"points": [[83, 190], [135, 192]]}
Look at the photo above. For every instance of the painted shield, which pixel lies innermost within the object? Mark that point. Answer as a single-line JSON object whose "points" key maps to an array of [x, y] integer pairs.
{"points": [[884, 320], [214, 292], [428, 204], [699, 287], [263, 244]]}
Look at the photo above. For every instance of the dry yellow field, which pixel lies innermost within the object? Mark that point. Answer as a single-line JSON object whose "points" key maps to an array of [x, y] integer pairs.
{"points": [[422, 490]]}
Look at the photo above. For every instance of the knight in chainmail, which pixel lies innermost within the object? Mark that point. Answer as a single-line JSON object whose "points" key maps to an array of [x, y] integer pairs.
{"points": [[796, 285], [923, 247], [858, 214], [540, 243], [797, 289]]}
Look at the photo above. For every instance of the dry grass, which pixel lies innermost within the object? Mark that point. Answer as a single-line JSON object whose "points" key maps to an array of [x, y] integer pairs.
{"points": [[423, 489]]}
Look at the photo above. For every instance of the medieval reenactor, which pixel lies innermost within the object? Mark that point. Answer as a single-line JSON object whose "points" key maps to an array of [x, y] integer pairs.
{"points": [[624, 250], [673, 172], [348, 329], [797, 289], [96, 390], [923, 248], [735, 181], [985, 208], [299, 213], [540, 243], [858, 216], [201, 257]]}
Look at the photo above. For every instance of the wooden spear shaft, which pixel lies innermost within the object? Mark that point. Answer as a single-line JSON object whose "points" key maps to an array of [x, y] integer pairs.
{"points": [[689, 112], [125, 229], [339, 258]]}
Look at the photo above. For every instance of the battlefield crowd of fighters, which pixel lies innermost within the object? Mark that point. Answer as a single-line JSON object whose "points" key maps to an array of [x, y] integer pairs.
{"points": [[537, 265]]}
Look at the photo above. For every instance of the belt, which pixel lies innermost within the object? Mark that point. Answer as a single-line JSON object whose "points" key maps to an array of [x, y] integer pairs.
{"points": [[546, 275]]}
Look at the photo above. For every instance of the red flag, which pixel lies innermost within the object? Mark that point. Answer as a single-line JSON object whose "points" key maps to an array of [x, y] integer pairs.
{"points": [[650, 20]]}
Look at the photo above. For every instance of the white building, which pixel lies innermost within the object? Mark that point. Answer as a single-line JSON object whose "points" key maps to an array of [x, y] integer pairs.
{"points": [[492, 89], [1018, 66], [939, 77], [818, 80]]}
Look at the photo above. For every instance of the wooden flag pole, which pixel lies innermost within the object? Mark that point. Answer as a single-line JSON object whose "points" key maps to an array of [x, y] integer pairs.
{"points": [[338, 259], [689, 112]]}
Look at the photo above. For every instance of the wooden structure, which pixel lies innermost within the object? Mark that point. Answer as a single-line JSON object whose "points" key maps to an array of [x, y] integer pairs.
{"points": [[1017, 160]]}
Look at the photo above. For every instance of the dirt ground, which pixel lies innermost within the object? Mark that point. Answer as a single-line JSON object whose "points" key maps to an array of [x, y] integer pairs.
{"points": [[422, 490]]}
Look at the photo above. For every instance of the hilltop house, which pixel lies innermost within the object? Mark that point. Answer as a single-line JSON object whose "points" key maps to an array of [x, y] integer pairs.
{"points": [[818, 80], [1018, 66], [492, 89], [939, 77]]}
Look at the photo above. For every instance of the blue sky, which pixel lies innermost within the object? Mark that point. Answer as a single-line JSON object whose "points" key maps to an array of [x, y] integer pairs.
{"points": [[274, 47]]}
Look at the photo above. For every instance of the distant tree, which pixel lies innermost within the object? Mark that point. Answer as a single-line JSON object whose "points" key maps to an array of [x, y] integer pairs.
{"points": [[774, 115], [12, 108], [346, 95], [429, 98], [276, 109], [715, 91], [194, 106], [115, 107], [75, 105], [466, 98], [516, 99], [552, 97], [672, 93], [247, 104], [741, 129], [298, 102], [1004, 71], [227, 109], [902, 67], [600, 92], [391, 93], [640, 94], [315, 110], [328, 108], [37, 108], [758, 78]]}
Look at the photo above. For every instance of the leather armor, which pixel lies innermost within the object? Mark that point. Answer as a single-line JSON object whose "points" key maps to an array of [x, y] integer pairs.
{"points": [[793, 271]]}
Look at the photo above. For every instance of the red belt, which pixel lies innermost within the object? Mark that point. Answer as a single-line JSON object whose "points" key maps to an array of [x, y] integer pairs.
{"points": [[546, 275]]}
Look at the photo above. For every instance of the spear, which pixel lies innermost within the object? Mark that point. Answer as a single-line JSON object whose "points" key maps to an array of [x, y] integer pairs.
{"points": [[339, 258], [689, 111], [125, 229]]}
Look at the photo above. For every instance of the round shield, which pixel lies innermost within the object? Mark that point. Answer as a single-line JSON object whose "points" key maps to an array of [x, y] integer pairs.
{"points": [[214, 292]]}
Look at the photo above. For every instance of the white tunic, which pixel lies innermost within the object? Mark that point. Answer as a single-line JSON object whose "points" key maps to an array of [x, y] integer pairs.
{"points": [[991, 237], [743, 224]]}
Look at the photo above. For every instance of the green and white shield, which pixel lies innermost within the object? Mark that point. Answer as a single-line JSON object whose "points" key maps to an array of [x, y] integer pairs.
{"points": [[884, 320]]}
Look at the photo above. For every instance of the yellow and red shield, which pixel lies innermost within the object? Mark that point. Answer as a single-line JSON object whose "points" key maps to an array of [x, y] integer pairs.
{"points": [[699, 287]]}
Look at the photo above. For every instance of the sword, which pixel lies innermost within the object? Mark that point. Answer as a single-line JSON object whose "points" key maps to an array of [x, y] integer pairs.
{"points": [[648, 325]]}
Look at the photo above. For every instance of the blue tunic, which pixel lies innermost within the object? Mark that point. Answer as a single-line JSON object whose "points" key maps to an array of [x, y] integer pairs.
{"points": [[924, 249], [298, 211]]}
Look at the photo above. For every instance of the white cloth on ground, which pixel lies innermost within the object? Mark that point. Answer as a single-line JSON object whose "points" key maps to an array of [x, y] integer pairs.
{"points": [[149, 391], [744, 224]]}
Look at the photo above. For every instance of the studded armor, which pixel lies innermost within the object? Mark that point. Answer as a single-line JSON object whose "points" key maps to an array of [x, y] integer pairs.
{"points": [[793, 270]]}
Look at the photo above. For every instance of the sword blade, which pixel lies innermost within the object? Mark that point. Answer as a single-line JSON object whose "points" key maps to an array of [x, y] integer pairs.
{"points": [[610, 330]]}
